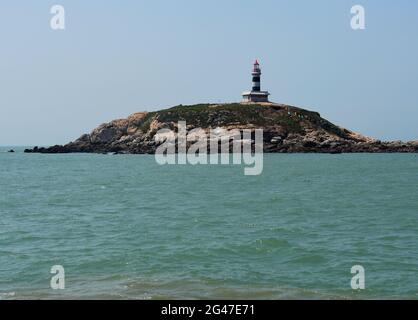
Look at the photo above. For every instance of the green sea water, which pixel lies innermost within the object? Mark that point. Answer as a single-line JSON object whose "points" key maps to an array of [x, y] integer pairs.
{"points": [[124, 227]]}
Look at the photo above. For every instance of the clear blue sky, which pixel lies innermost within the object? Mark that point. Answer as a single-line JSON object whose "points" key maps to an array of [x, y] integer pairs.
{"points": [[120, 57]]}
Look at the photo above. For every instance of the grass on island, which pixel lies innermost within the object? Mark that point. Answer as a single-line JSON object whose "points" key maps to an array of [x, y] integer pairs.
{"points": [[213, 115]]}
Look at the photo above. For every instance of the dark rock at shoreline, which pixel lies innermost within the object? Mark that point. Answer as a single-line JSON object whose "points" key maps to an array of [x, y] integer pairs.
{"points": [[286, 129], [53, 149], [11, 151]]}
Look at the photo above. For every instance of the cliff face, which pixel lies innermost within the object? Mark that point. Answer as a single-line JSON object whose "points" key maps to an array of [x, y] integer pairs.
{"points": [[286, 129]]}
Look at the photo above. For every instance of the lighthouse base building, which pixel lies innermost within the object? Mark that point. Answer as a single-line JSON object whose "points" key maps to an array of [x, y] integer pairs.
{"points": [[250, 96], [256, 95]]}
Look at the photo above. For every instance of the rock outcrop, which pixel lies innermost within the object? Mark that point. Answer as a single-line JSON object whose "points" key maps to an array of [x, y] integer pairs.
{"points": [[286, 129]]}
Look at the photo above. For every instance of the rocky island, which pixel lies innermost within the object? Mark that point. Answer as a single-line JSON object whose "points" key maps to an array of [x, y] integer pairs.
{"points": [[286, 129]]}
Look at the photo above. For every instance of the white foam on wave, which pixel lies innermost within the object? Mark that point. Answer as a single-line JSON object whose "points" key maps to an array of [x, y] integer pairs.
{"points": [[5, 295]]}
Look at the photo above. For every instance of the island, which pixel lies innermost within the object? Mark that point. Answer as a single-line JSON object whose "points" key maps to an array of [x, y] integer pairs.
{"points": [[286, 129]]}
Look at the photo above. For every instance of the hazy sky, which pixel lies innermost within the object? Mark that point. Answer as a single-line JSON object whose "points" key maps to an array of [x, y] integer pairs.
{"points": [[119, 57]]}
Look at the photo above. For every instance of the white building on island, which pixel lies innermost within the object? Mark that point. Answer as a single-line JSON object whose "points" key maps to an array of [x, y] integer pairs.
{"points": [[256, 95]]}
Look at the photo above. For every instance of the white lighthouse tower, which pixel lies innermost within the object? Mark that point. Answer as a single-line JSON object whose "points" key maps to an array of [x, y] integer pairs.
{"points": [[256, 95]]}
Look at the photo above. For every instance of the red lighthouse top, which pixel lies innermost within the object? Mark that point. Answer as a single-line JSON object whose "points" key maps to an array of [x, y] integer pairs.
{"points": [[256, 66]]}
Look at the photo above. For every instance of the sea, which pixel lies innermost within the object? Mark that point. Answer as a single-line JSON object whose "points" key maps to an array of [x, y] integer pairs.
{"points": [[125, 227]]}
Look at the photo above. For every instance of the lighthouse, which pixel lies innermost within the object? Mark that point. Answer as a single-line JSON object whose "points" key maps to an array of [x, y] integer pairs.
{"points": [[256, 95]]}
